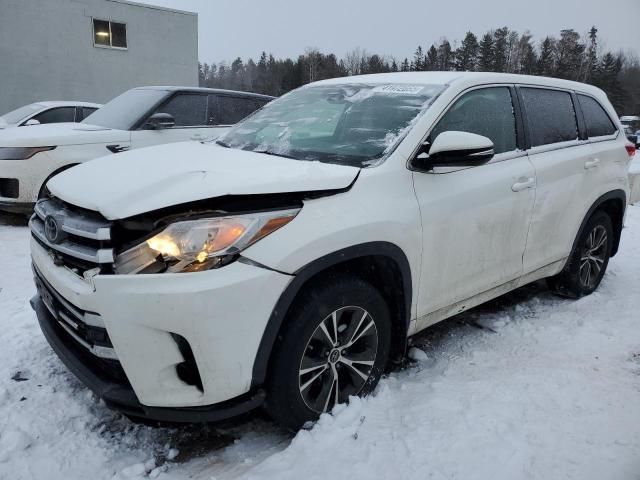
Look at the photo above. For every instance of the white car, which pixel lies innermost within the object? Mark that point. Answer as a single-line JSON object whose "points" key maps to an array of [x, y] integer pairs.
{"points": [[47, 112], [287, 263], [138, 118]]}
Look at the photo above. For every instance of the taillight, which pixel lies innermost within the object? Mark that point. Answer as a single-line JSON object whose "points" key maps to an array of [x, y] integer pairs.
{"points": [[631, 149]]}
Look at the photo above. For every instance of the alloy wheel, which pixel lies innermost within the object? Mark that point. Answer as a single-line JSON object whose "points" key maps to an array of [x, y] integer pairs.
{"points": [[338, 359], [593, 256]]}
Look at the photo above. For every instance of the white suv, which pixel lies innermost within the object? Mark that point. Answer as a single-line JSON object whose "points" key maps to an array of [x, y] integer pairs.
{"points": [[138, 118], [287, 263]]}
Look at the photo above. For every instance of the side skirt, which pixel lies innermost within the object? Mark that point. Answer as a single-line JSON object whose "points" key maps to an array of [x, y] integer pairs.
{"points": [[464, 305]]}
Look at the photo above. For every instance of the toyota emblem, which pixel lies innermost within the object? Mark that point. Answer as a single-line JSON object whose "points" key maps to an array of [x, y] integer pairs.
{"points": [[51, 229]]}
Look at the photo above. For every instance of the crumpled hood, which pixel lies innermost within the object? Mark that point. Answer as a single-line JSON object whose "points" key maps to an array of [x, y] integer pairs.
{"points": [[57, 134], [139, 181]]}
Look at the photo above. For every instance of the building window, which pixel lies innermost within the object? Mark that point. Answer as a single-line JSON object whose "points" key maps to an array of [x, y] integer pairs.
{"points": [[109, 34]]}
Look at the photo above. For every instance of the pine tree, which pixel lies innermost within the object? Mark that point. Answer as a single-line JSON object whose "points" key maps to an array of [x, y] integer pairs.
{"points": [[405, 65], [569, 53], [546, 66], [466, 56], [592, 56], [431, 62], [500, 50], [485, 53], [607, 78], [418, 59]]}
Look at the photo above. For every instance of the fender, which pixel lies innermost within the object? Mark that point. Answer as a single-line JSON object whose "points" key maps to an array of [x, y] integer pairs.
{"points": [[614, 194], [317, 266], [42, 191]]}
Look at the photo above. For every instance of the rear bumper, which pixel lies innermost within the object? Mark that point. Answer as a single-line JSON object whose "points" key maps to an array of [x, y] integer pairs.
{"points": [[120, 395]]}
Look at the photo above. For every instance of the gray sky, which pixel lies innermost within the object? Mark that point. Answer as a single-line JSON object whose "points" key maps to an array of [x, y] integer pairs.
{"points": [[232, 28]]}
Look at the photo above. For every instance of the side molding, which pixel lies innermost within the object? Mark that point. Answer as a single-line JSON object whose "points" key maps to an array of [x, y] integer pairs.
{"points": [[383, 249]]}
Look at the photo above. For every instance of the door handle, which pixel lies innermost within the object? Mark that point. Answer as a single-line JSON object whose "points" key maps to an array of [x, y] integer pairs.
{"points": [[588, 165], [528, 183]]}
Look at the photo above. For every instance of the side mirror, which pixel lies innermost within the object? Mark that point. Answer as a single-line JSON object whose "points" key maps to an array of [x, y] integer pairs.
{"points": [[160, 121], [455, 149], [30, 122]]}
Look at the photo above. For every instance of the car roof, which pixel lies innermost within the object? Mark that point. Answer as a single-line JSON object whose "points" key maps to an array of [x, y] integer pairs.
{"points": [[172, 88], [67, 103], [462, 79]]}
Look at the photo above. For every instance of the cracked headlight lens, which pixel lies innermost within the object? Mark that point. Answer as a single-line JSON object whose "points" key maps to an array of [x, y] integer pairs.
{"points": [[202, 244]]}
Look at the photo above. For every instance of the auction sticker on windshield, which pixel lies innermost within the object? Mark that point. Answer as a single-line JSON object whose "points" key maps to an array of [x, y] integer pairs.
{"points": [[399, 89]]}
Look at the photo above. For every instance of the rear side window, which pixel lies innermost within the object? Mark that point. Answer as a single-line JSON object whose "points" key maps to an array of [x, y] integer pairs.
{"points": [[488, 112], [551, 116], [188, 110], [598, 122], [86, 111], [57, 115], [234, 109]]}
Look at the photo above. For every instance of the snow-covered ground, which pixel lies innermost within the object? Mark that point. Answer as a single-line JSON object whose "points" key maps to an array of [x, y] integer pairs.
{"points": [[528, 387]]}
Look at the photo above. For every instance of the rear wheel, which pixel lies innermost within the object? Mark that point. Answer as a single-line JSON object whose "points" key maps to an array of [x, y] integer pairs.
{"points": [[335, 344], [588, 262]]}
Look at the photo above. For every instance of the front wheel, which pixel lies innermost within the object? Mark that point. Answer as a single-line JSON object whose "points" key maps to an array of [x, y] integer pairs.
{"points": [[335, 344], [588, 261]]}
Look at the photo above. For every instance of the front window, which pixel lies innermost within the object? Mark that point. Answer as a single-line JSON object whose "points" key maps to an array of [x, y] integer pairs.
{"points": [[126, 110], [351, 124], [487, 112]]}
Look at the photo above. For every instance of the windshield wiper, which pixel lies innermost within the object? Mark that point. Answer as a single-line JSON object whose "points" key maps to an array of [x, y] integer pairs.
{"points": [[275, 154], [222, 144]]}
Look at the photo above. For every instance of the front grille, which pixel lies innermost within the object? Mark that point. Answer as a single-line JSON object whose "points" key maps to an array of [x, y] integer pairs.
{"points": [[77, 238], [81, 330], [84, 327]]}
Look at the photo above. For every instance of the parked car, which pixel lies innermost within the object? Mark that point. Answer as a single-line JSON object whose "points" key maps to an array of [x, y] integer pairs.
{"points": [[47, 112], [633, 136], [138, 118], [287, 263]]}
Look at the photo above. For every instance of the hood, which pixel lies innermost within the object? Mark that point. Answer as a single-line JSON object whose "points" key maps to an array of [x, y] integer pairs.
{"points": [[56, 134], [139, 181]]}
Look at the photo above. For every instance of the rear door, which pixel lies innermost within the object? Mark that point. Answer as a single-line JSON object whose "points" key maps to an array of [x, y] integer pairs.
{"points": [[233, 108], [562, 163]]}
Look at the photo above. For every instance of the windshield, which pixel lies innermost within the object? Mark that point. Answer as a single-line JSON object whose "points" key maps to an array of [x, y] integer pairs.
{"points": [[124, 111], [18, 114], [349, 124]]}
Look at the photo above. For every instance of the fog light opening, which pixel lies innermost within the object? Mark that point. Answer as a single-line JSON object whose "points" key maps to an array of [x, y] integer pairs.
{"points": [[187, 371]]}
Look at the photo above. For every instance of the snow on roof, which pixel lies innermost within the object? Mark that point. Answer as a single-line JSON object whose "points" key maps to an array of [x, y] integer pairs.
{"points": [[459, 78], [67, 103]]}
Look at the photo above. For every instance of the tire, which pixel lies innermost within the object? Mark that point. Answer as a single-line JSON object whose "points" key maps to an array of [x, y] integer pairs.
{"points": [[588, 261], [308, 342]]}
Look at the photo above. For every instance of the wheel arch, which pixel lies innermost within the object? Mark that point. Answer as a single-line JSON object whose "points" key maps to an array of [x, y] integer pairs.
{"points": [[371, 261], [614, 204]]}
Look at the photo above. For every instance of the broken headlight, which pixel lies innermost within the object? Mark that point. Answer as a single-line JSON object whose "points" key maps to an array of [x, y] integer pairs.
{"points": [[202, 244]]}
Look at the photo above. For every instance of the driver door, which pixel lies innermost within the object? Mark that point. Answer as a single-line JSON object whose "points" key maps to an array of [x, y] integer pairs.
{"points": [[475, 219], [193, 117]]}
